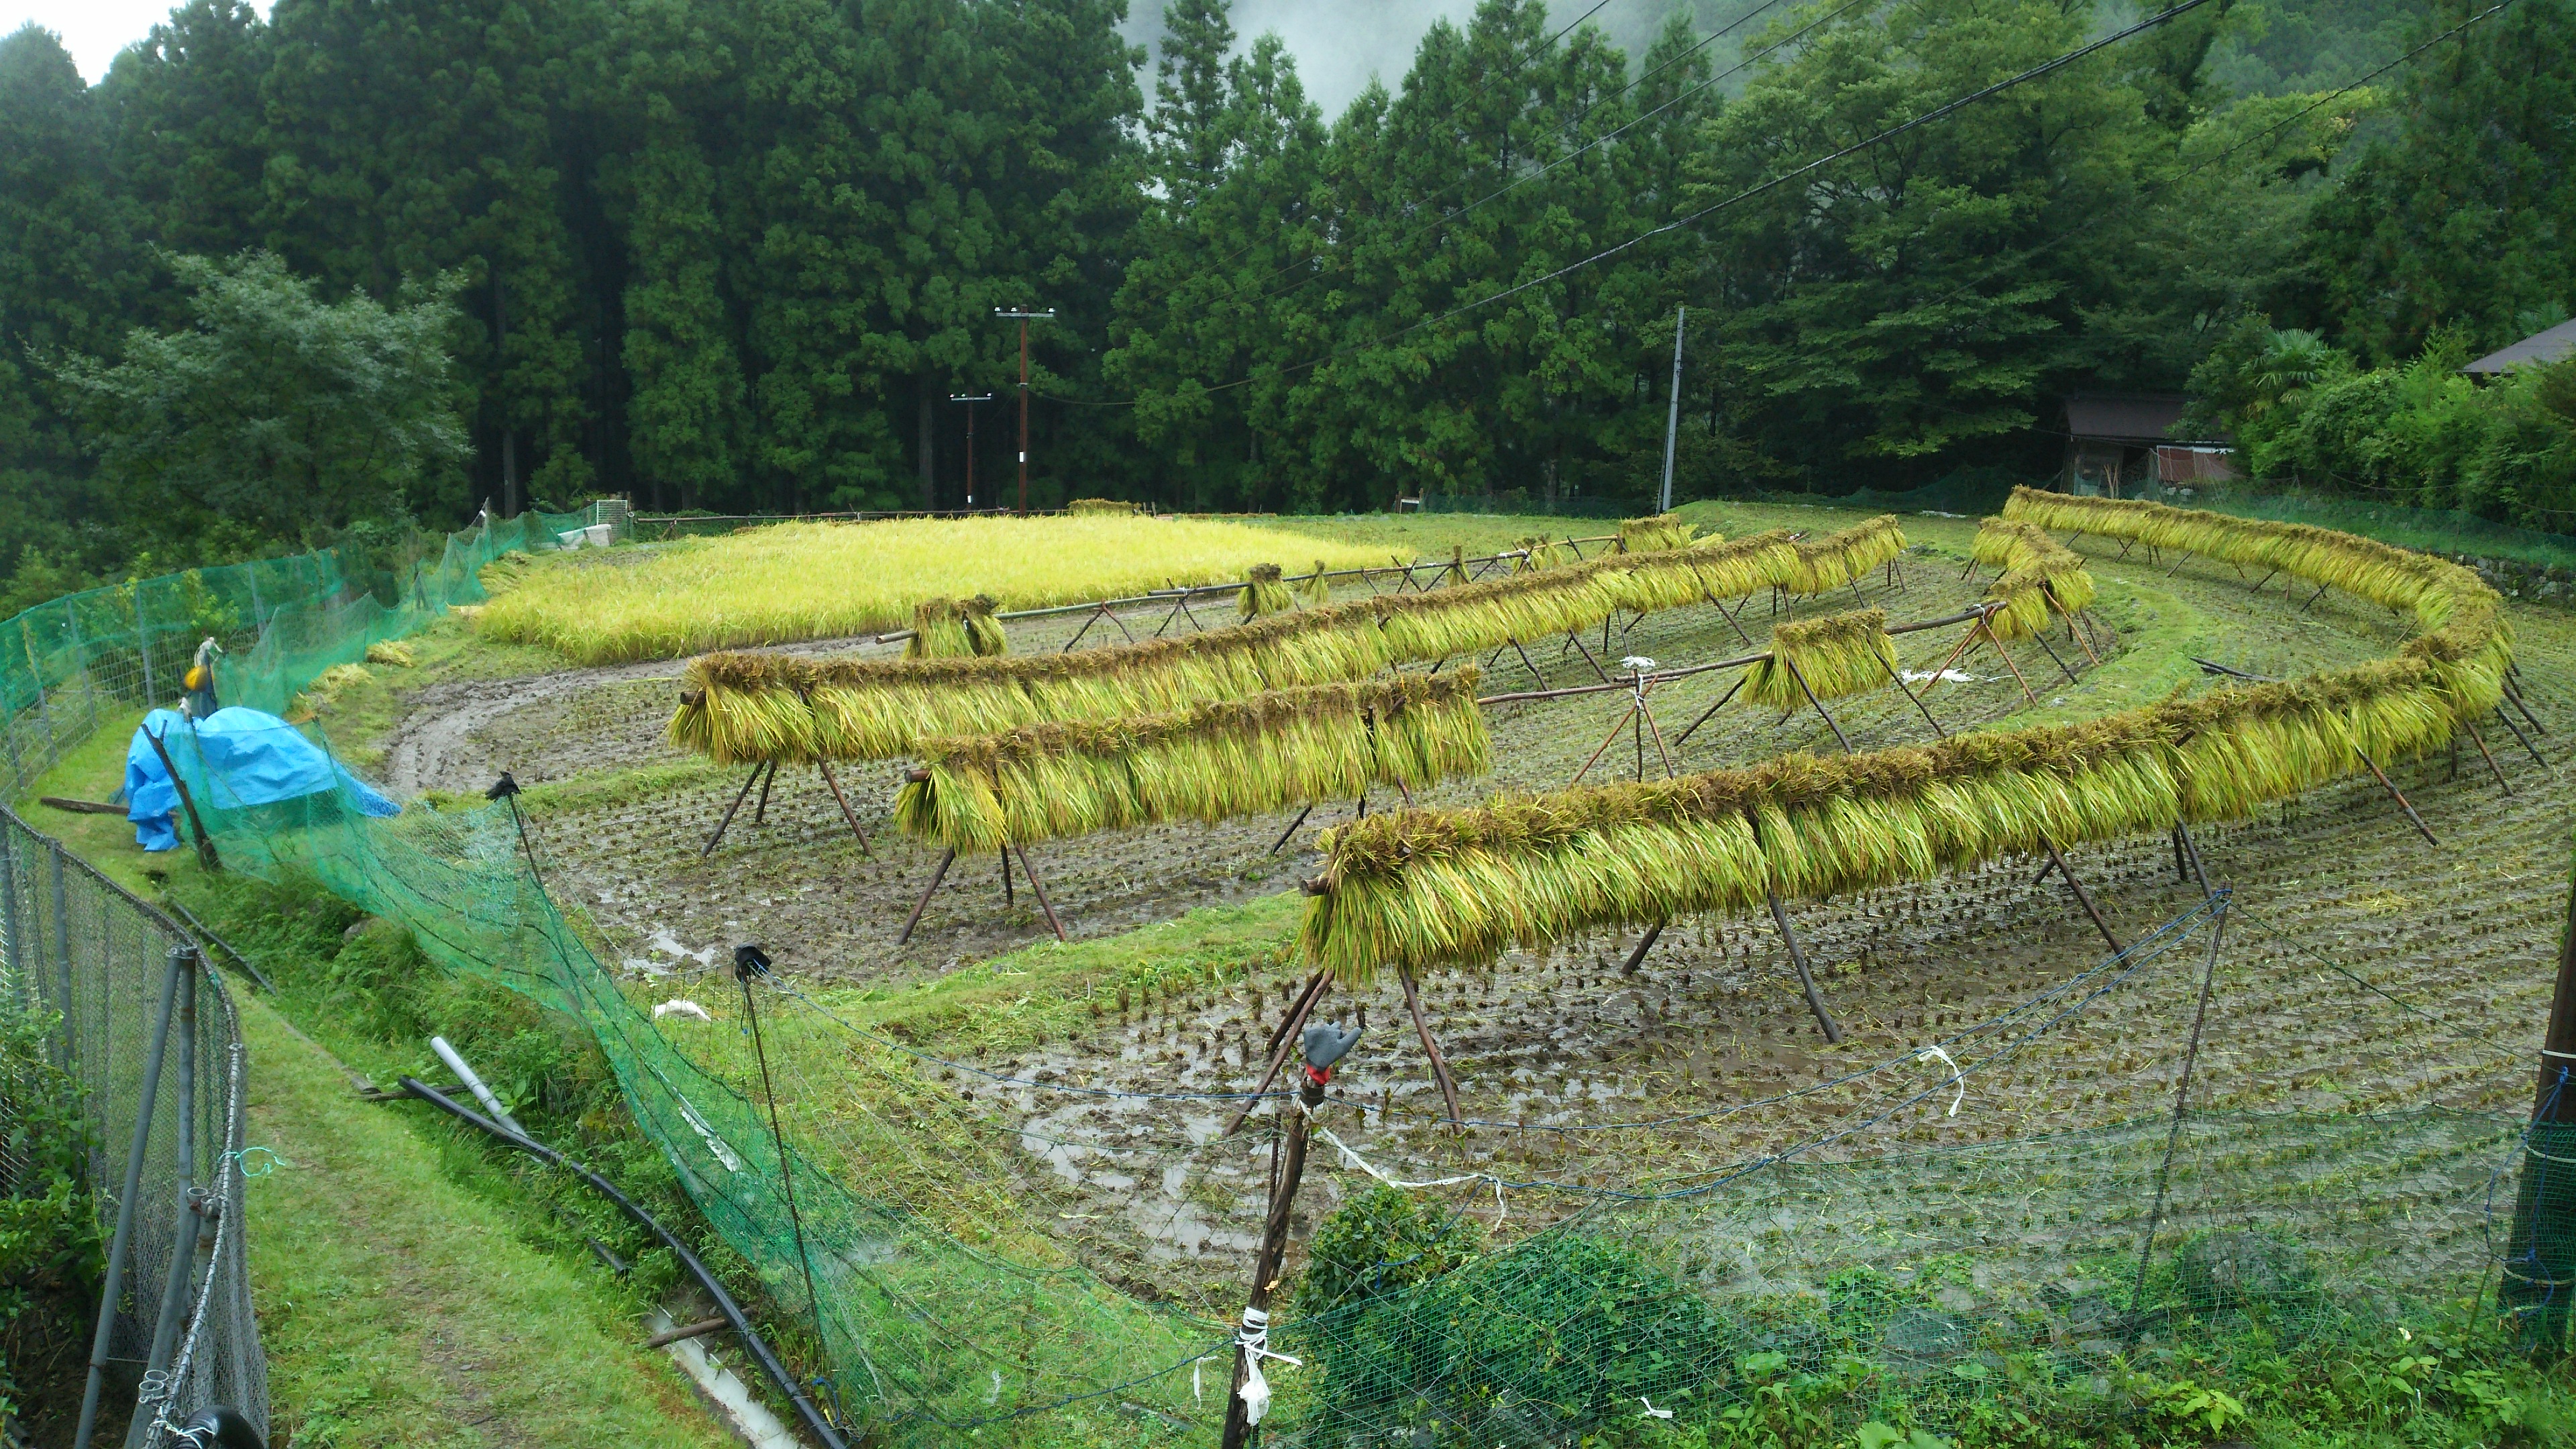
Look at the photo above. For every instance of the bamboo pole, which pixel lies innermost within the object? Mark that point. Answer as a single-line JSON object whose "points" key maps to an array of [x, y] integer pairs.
{"points": [[1266, 1260], [847, 814], [1039, 890], [1806, 978], [2083, 897], [2480, 741], [727, 823], [1283, 1040]]}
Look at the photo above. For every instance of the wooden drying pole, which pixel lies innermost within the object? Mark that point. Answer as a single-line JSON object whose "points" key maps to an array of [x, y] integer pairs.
{"points": [[948, 857], [763, 774]]}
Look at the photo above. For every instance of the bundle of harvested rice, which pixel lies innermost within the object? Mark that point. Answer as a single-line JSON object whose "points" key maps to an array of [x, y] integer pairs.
{"points": [[1440, 886], [2039, 574], [1838, 655], [1264, 594], [1314, 588], [1099, 505], [956, 629], [1275, 750], [1838, 558], [1646, 535], [1538, 552]]}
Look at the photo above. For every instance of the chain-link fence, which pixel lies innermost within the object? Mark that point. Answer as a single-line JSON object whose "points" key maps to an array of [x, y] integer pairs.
{"points": [[147, 1030]]}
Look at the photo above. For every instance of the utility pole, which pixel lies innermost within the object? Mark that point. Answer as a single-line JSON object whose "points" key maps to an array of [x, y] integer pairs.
{"points": [[1673, 413], [970, 401], [2540, 1252], [1023, 314]]}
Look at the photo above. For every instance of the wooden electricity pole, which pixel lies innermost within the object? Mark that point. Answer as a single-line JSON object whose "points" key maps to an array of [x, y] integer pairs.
{"points": [[2540, 1252], [1023, 314]]}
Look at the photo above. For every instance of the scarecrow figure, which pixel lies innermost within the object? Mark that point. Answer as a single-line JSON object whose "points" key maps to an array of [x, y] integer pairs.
{"points": [[199, 701]]}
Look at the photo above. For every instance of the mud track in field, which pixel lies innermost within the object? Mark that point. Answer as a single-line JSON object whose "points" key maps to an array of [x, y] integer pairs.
{"points": [[2449, 947]]}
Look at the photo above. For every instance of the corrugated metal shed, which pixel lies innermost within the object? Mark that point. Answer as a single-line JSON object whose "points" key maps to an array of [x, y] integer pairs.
{"points": [[2538, 348]]}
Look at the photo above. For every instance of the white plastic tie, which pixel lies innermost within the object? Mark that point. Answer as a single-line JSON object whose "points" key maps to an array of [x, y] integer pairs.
{"points": [[1254, 1339], [1958, 1079], [1651, 1411]]}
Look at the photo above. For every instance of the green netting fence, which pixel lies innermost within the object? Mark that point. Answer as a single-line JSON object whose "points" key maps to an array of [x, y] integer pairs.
{"points": [[956, 1296], [67, 664]]}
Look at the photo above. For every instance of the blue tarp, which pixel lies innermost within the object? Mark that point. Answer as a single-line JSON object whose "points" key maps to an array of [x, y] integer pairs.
{"points": [[231, 759]]}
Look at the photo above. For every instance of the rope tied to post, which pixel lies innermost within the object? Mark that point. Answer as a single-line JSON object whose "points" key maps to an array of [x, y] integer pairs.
{"points": [[1254, 1339]]}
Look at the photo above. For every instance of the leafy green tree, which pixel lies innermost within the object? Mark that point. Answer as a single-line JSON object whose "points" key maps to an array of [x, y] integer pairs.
{"points": [[190, 148], [275, 411], [68, 272], [2467, 211]]}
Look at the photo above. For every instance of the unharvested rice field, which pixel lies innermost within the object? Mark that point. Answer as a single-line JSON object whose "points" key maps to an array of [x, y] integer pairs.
{"points": [[2362, 970], [799, 581]]}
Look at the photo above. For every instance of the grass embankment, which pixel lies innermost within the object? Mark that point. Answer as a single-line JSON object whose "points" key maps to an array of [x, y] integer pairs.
{"points": [[414, 1285], [822, 580]]}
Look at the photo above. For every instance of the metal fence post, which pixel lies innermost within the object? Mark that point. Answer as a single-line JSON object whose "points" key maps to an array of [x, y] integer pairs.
{"points": [[183, 1232], [63, 956], [9, 923], [80, 655], [143, 645], [123, 1244]]}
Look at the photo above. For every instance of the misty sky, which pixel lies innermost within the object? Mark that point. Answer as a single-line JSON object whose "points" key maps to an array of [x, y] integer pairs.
{"points": [[1338, 44]]}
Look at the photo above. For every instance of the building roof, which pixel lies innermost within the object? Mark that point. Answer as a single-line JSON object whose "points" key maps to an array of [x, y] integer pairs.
{"points": [[2539, 348], [2124, 417]]}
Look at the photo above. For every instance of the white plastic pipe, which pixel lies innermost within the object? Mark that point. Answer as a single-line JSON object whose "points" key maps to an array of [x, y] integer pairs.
{"points": [[474, 1084]]}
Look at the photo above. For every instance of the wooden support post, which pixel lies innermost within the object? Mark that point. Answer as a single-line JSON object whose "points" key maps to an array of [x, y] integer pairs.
{"points": [[946, 858], [760, 812], [2312, 599], [2259, 583], [2083, 897], [1588, 656], [1439, 1063], [1283, 1042], [1038, 890], [1266, 1260], [1282, 842], [1806, 978], [187, 802], [1724, 613], [1898, 676], [2514, 697], [1087, 622], [847, 814], [1533, 668], [1657, 731], [2480, 741], [2519, 735], [2391, 787], [2040, 638], [727, 822], [1605, 745], [1710, 711], [1645, 943], [1810, 693], [1997, 640], [1006, 877]]}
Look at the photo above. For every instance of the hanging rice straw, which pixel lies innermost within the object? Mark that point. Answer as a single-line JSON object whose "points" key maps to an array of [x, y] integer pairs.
{"points": [[1647, 535], [2039, 574], [1273, 751], [1315, 588], [1537, 552], [1431, 887], [1263, 594], [744, 706], [1838, 558], [1099, 505], [1841, 654]]}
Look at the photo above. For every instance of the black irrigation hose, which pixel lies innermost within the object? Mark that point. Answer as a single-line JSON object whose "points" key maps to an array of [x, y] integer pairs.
{"points": [[821, 1427]]}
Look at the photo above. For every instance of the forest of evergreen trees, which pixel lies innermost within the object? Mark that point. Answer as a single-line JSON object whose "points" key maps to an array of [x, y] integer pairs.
{"points": [[738, 256]]}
